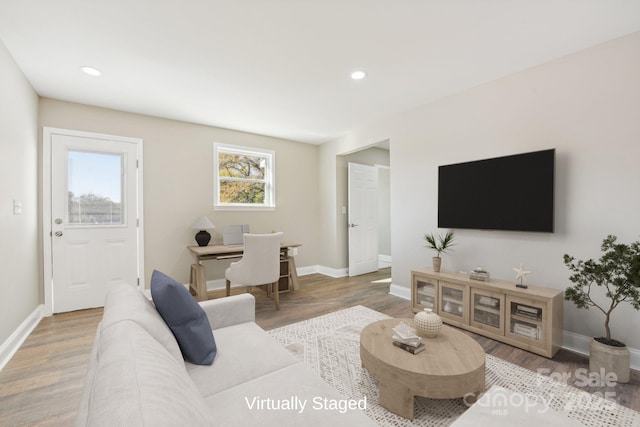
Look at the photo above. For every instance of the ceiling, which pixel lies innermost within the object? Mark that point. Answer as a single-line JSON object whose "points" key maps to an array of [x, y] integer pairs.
{"points": [[282, 67]]}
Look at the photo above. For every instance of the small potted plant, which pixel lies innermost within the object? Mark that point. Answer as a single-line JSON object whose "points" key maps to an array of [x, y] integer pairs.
{"points": [[618, 272], [440, 244]]}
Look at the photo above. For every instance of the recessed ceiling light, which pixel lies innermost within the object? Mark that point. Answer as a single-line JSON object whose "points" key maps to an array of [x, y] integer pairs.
{"points": [[91, 71], [358, 75]]}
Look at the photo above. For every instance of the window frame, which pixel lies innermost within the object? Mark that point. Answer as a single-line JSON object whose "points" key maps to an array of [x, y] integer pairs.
{"points": [[269, 178]]}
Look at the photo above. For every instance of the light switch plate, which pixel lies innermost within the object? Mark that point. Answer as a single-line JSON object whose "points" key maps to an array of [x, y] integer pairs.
{"points": [[17, 207]]}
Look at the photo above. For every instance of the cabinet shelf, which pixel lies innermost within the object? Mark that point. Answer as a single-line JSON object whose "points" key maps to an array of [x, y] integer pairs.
{"points": [[487, 309], [529, 318], [526, 319]]}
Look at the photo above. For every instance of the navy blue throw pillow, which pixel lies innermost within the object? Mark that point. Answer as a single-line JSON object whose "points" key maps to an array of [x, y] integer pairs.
{"points": [[186, 319]]}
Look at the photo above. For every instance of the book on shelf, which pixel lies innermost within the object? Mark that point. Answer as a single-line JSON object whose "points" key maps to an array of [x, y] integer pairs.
{"points": [[532, 312], [532, 332], [488, 301], [408, 348]]}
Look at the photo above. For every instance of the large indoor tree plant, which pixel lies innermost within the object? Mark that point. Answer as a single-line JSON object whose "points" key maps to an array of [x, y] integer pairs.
{"points": [[440, 244], [617, 272]]}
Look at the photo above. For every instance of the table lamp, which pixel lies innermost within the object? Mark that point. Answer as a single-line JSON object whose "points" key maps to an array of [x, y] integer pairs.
{"points": [[203, 237]]}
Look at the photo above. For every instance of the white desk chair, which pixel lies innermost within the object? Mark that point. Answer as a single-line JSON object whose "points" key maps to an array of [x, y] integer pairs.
{"points": [[260, 264]]}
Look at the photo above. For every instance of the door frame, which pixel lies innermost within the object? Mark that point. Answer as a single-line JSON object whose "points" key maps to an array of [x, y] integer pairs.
{"points": [[47, 238]]}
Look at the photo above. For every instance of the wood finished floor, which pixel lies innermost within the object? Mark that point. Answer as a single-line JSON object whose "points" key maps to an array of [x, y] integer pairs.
{"points": [[42, 384]]}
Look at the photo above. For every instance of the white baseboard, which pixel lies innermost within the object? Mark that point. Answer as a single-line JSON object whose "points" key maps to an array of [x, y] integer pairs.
{"points": [[400, 291], [576, 342], [384, 261], [333, 272], [15, 340], [217, 284], [305, 271]]}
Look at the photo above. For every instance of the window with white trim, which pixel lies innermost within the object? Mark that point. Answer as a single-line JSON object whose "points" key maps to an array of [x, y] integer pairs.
{"points": [[244, 177]]}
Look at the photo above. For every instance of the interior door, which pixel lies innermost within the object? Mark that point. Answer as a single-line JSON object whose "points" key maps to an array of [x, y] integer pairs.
{"points": [[363, 219], [94, 217]]}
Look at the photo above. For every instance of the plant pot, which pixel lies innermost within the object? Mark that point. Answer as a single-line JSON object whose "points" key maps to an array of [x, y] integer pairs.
{"points": [[606, 359], [437, 261]]}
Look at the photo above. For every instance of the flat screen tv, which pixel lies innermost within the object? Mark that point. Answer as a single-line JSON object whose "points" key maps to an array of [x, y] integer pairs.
{"points": [[504, 193]]}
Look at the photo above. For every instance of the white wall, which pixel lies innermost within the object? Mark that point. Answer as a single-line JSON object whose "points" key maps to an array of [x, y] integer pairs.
{"points": [[585, 105], [20, 284], [178, 184]]}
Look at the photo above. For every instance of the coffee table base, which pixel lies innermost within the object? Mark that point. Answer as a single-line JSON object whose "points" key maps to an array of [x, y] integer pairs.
{"points": [[397, 399], [401, 400], [452, 367]]}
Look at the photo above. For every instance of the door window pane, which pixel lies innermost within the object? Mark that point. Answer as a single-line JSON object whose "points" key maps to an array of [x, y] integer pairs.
{"points": [[94, 187]]}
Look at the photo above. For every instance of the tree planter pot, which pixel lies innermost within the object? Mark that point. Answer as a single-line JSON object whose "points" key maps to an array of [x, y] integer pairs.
{"points": [[437, 261], [609, 359]]}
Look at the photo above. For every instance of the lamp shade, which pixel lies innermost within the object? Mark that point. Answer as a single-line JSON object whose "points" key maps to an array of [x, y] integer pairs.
{"points": [[203, 223]]}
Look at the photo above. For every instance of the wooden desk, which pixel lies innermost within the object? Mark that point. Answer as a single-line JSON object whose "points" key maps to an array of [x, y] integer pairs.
{"points": [[198, 280]]}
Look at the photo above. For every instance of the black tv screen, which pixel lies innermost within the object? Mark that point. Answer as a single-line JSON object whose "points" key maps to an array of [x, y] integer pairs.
{"points": [[504, 193]]}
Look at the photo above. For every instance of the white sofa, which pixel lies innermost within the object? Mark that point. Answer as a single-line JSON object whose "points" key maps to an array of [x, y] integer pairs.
{"points": [[137, 376]]}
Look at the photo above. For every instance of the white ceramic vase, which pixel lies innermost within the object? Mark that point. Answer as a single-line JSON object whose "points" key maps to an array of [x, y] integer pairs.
{"points": [[427, 323]]}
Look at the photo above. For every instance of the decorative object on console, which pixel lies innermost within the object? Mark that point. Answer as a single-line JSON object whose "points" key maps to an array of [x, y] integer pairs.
{"points": [[618, 270], [427, 323], [440, 244], [203, 224], [521, 274], [479, 273]]}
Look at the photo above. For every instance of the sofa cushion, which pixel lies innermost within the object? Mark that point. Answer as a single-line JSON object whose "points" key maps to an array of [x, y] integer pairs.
{"points": [[245, 352], [186, 319], [138, 383], [125, 302], [276, 399]]}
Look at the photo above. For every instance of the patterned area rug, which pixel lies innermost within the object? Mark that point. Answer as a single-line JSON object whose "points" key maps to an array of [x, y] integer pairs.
{"points": [[330, 345]]}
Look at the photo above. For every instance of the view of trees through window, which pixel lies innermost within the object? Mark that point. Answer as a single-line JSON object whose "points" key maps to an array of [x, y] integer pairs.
{"points": [[92, 209], [242, 178], [94, 188]]}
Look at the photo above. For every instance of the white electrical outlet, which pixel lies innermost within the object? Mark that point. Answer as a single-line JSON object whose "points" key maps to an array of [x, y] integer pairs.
{"points": [[17, 207]]}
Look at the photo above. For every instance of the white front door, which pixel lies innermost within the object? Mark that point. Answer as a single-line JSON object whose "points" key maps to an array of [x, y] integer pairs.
{"points": [[93, 217], [363, 219]]}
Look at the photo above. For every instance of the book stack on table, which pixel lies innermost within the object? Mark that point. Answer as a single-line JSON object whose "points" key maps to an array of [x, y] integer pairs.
{"points": [[404, 337]]}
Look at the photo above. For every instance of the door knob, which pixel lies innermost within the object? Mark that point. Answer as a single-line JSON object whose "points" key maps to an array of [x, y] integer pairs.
{"points": [[58, 233], [352, 225]]}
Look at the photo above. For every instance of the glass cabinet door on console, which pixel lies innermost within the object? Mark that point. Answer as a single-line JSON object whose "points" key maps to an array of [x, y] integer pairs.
{"points": [[425, 294], [526, 321], [453, 302], [487, 310]]}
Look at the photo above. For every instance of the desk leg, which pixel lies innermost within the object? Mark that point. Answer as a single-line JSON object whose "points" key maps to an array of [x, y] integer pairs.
{"points": [[276, 293], [293, 274], [198, 282]]}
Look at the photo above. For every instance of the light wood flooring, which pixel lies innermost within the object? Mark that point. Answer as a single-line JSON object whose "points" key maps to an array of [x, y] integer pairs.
{"points": [[42, 384]]}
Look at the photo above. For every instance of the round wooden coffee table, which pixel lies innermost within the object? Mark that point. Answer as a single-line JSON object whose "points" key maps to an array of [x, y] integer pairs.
{"points": [[451, 366]]}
